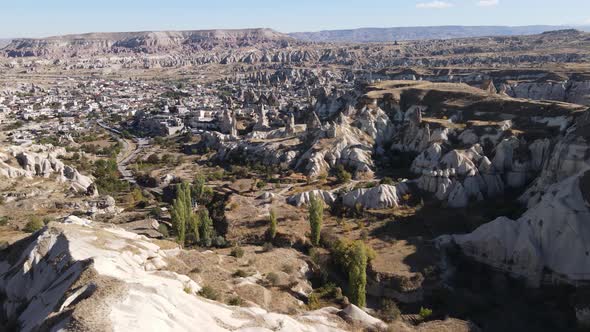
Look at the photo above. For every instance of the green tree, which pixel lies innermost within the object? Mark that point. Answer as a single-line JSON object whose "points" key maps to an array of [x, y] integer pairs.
{"points": [[194, 229], [357, 274], [201, 192], [206, 227], [182, 212], [272, 227], [353, 258], [107, 177], [316, 216]]}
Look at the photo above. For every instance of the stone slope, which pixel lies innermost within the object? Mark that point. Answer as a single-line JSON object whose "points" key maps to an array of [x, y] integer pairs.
{"points": [[143, 42], [550, 242], [79, 276], [42, 161]]}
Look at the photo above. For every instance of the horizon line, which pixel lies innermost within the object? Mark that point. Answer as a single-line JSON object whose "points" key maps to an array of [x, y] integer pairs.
{"points": [[311, 31]]}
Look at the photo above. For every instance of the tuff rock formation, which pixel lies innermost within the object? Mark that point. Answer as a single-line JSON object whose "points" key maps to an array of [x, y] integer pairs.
{"points": [[80, 276], [25, 163]]}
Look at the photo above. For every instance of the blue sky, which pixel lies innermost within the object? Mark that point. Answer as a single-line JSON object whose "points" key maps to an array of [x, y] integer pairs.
{"points": [[37, 18]]}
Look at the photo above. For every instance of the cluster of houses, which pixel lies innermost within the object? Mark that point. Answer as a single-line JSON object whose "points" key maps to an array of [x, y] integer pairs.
{"points": [[151, 108]]}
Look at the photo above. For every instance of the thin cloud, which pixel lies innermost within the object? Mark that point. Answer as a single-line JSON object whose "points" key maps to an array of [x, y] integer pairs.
{"points": [[488, 3], [434, 5]]}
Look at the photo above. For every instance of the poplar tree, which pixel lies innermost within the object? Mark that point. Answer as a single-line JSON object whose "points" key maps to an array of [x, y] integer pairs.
{"points": [[182, 212], [205, 227], [272, 227], [316, 216], [357, 274]]}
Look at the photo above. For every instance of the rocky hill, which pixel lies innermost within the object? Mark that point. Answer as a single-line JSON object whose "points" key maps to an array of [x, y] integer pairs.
{"points": [[368, 35], [82, 276], [142, 42], [75, 276]]}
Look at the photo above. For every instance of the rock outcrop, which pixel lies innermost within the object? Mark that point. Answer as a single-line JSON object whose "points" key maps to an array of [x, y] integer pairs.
{"points": [[79, 276], [549, 243], [380, 197], [305, 197], [44, 164]]}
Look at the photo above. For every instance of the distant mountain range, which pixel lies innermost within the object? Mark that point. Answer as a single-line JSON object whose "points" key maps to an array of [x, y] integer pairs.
{"points": [[143, 41], [171, 41], [367, 35]]}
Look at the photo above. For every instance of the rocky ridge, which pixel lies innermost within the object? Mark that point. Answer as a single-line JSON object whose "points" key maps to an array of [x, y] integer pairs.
{"points": [[78, 275], [43, 161], [548, 243]]}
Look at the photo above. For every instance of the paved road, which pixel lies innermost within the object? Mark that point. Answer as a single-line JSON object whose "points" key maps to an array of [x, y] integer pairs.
{"points": [[131, 149]]}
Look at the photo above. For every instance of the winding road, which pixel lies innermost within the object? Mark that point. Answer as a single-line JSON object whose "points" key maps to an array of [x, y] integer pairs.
{"points": [[129, 152]]}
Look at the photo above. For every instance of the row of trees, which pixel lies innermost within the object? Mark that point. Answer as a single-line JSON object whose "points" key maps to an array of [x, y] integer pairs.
{"points": [[191, 227], [353, 258], [196, 227]]}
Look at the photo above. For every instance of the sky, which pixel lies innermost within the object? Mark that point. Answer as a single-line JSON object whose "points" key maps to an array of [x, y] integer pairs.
{"points": [[41, 18]]}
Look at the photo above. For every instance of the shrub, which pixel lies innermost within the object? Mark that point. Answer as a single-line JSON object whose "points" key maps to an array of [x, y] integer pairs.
{"points": [[364, 234], [237, 252], [236, 301], [156, 212], [240, 274], [342, 175], [209, 293], [239, 171], [163, 229], [219, 241], [425, 313], [34, 224], [217, 175], [272, 278], [313, 302], [137, 196], [329, 290], [267, 247], [389, 311], [153, 159], [167, 159], [387, 180], [314, 254], [3, 221], [288, 269]]}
